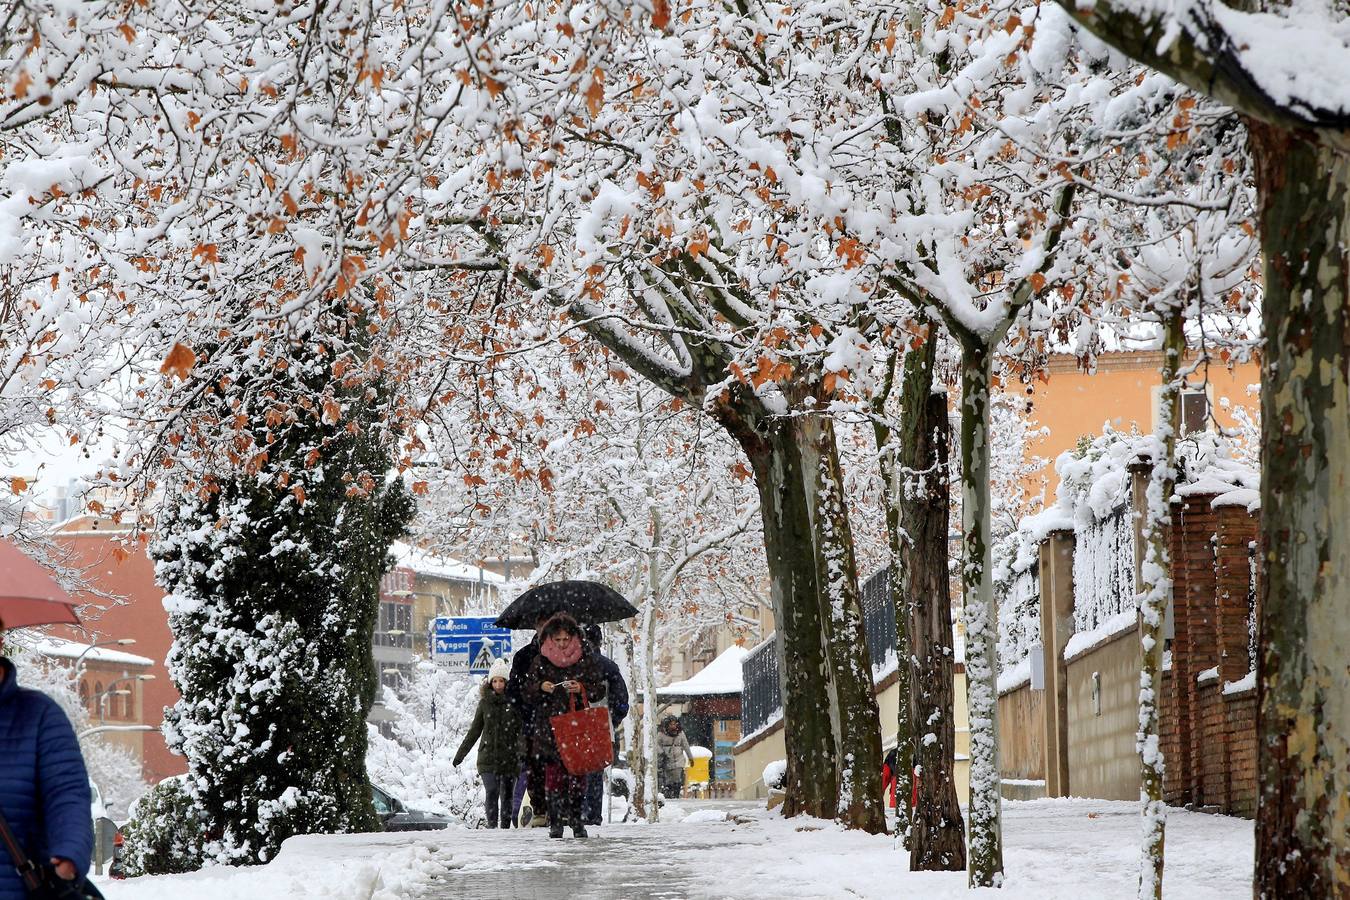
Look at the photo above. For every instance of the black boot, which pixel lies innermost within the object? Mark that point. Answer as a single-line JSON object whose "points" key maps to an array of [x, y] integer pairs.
{"points": [[574, 817], [555, 819]]}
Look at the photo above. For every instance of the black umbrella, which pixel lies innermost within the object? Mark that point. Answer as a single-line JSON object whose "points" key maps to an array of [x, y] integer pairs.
{"points": [[585, 601]]}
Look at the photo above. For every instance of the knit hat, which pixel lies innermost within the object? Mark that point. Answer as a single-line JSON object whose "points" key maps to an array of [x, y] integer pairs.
{"points": [[500, 669]]}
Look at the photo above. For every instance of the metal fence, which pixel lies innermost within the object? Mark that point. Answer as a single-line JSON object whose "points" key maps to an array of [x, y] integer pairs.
{"points": [[761, 694]]}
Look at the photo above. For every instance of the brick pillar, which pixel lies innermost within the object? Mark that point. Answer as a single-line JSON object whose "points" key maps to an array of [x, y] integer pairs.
{"points": [[1194, 649], [1237, 529], [1056, 629]]}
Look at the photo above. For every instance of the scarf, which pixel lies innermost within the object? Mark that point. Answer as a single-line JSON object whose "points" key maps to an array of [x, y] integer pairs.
{"points": [[562, 658]]}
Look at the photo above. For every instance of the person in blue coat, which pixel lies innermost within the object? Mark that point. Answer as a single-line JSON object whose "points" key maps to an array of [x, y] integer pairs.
{"points": [[44, 788], [617, 693]]}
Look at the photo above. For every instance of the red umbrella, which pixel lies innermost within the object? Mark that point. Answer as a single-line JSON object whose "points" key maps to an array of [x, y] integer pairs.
{"points": [[28, 593]]}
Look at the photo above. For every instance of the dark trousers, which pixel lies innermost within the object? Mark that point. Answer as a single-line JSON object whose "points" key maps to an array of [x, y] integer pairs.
{"points": [[672, 786], [592, 804], [564, 791], [497, 804], [535, 782]]}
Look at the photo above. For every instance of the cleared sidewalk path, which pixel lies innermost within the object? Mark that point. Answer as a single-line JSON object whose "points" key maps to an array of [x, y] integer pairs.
{"points": [[1053, 850]]}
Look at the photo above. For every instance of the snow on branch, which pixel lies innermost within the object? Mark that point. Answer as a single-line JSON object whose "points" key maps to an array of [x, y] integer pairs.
{"points": [[1286, 69]]}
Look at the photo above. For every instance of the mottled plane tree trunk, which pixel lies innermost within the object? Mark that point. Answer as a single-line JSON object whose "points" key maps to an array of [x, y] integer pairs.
{"points": [[1155, 593]]}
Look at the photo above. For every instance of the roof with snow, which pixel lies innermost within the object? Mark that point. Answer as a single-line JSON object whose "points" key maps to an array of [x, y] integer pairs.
{"points": [[420, 562], [55, 647], [720, 677]]}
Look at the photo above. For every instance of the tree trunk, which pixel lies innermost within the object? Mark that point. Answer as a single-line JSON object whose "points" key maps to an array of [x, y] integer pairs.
{"points": [[636, 765], [1156, 590], [784, 454], [985, 808], [858, 733], [896, 458], [805, 679], [649, 770], [1303, 817], [938, 838]]}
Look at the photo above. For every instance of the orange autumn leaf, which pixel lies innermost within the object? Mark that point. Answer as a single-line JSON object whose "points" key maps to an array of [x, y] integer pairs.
{"points": [[419, 488], [21, 84], [18, 485], [206, 254], [1037, 282], [595, 93], [127, 32], [179, 362], [661, 14]]}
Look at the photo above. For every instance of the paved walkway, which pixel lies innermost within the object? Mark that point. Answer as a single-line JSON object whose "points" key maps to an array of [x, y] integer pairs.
{"points": [[617, 862]]}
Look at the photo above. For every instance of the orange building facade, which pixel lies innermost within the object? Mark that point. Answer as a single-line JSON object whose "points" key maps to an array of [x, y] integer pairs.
{"points": [[127, 605], [1122, 393]]}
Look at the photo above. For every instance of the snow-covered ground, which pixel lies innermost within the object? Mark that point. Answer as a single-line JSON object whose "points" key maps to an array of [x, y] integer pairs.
{"points": [[311, 867], [709, 850]]}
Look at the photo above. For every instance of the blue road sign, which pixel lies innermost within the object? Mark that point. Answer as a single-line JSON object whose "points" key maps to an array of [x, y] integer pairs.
{"points": [[468, 643]]}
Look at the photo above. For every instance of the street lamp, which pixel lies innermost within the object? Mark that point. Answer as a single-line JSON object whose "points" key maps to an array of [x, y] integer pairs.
{"points": [[118, 642], [122, 692]]}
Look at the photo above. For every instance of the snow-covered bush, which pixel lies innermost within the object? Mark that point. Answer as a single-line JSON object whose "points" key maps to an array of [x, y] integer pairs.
{"points": [[431, 714], [272, 567], [165, 834]]}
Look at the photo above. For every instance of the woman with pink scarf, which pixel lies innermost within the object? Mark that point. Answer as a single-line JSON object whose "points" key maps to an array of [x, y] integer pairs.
{"points": [[566, 665]]}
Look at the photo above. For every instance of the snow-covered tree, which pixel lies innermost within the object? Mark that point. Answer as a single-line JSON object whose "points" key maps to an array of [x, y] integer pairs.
{"points": [[272, 567], [431, 712]]}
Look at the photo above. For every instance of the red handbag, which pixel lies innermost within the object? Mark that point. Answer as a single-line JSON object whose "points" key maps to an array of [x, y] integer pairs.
{"points": [[582, 736]]}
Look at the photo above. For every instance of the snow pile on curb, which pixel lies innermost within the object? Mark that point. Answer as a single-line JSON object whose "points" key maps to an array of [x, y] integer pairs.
{"points": [[700, 816], [308, 867]]}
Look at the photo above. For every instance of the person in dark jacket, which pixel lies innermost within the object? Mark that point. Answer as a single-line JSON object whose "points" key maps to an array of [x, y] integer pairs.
{"points": [[617, 695], [566, 666], [44, 788], [533, 775], [496, 729]]}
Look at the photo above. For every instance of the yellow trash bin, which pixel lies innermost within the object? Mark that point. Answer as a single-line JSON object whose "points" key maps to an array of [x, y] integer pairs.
{"points": [[696, 774]]}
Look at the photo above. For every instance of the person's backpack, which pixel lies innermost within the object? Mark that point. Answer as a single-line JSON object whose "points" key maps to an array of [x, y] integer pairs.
{"points": [[41, 881]]}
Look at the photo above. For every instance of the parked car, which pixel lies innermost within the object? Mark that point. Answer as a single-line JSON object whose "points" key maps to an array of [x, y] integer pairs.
{"points": [[397, 817]]}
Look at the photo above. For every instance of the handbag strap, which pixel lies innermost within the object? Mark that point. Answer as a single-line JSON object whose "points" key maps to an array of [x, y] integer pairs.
{"points": [[23, 864], [572, 698]]}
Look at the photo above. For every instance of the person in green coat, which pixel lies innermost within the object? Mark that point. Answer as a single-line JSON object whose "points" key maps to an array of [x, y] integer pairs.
{"points": [[497, 723]]}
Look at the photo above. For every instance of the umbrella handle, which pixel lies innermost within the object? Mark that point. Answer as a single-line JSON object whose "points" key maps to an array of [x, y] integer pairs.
{"points": [[572, 698]]}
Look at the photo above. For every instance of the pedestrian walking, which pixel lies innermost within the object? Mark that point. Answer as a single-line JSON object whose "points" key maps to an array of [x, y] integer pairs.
{"points": [[531, 780], [496, 730], [890, 771], [44, 792], [616, 697], [566, 670], [672, 757]]}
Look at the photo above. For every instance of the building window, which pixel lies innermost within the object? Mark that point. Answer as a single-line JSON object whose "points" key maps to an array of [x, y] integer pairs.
{"points": [[84, 697], [395, 625], [1194, 411]]}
